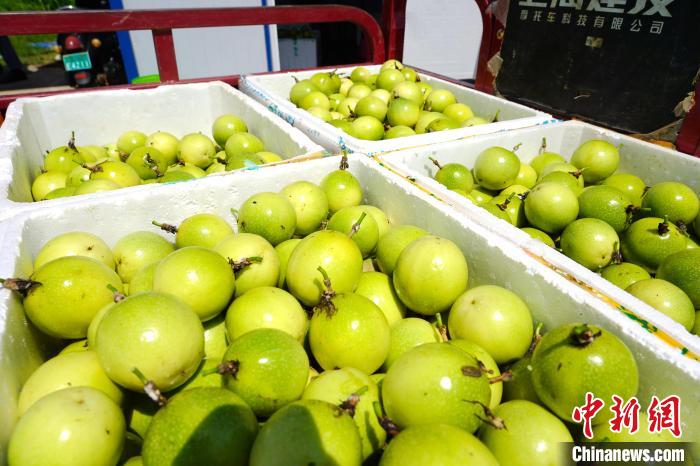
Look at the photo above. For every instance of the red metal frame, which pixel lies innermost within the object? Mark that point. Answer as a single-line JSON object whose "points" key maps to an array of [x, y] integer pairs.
{"points": [[689, 136], [162, 23]]}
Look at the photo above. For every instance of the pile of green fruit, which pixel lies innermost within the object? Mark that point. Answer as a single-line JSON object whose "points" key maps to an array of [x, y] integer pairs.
{"points": [[643, 239], [312, 335], [136, 159], [391, 104]]}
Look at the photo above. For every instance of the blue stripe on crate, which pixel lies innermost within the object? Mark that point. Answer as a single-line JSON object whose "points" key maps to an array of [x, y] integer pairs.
{"points": [[125, 46], [268, 46]]}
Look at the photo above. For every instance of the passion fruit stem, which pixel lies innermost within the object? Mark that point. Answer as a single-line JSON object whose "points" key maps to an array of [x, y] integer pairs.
{"points": [[441, 327], [344, 165], [577, 174], [583, 335], [118, 295], [435, 162], [326, 303], [165, 227], [230, 367], [543, 146], [240, 264], [234, 212], [220, 160], [682, 227], [663, 226], [536, 338], [93, 168], [356, 227], [296, 80], [495, 116], [517, 146], [349, 405], [153, 165], [490, 419], [71, 141], [472, 371], [389, 426], [617, 254], [506, 376], [504, 205], [21, 285], [150, 388]]}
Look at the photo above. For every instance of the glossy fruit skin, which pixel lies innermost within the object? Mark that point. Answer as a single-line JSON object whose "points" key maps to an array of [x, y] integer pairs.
{"points": [[73, 426], [154, 332], [188, 168], [368, 128], [383, 223], [605, 203], [496, 168], [118, 172], [590, 242], [391, 244], [408, 90], [174, 176], [371, 106], [630, 185], [205, 230], [520, 387], [143, 279], [266, 307], [273, 369], [75, 369], [243, 143], [514, 208], [269, 215], [269, 157], [455, 176], [130, 140], [334, 385], [430, 274], [199, 277], [76, 243], [67, 191], [77, 176], [389, 78], [673, 200], [426, 385], [458, 112], [320, 113], [563, 371], [291, 436], [435, 444], [624, 274], [197, 149], [310, 205], [301, 89], [209, 426], [225, 126], [245, 245], [539, 235], [46, 183], [403, 112], [245, 160], [63, 159], [148, 162], [138, 250], [564, 178], [495, 319], [72, 290], [441, 124], [532, 435], [315, 99], [377, 287], [439, 100], [399, 131], [342, 190], [366, 236], [166, 143], [683, 270], [355, 335], [599, 158], [642, 244], [360, 74], [545, 158], [666, 298], [406, 334], [550, 207], [74, 347], [284, 251], [492, 370]]}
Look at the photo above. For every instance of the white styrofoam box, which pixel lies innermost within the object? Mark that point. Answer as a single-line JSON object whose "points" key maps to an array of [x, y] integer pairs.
{"points": [[272, 90], [652, 163], [551, 297], [35, 125]]}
